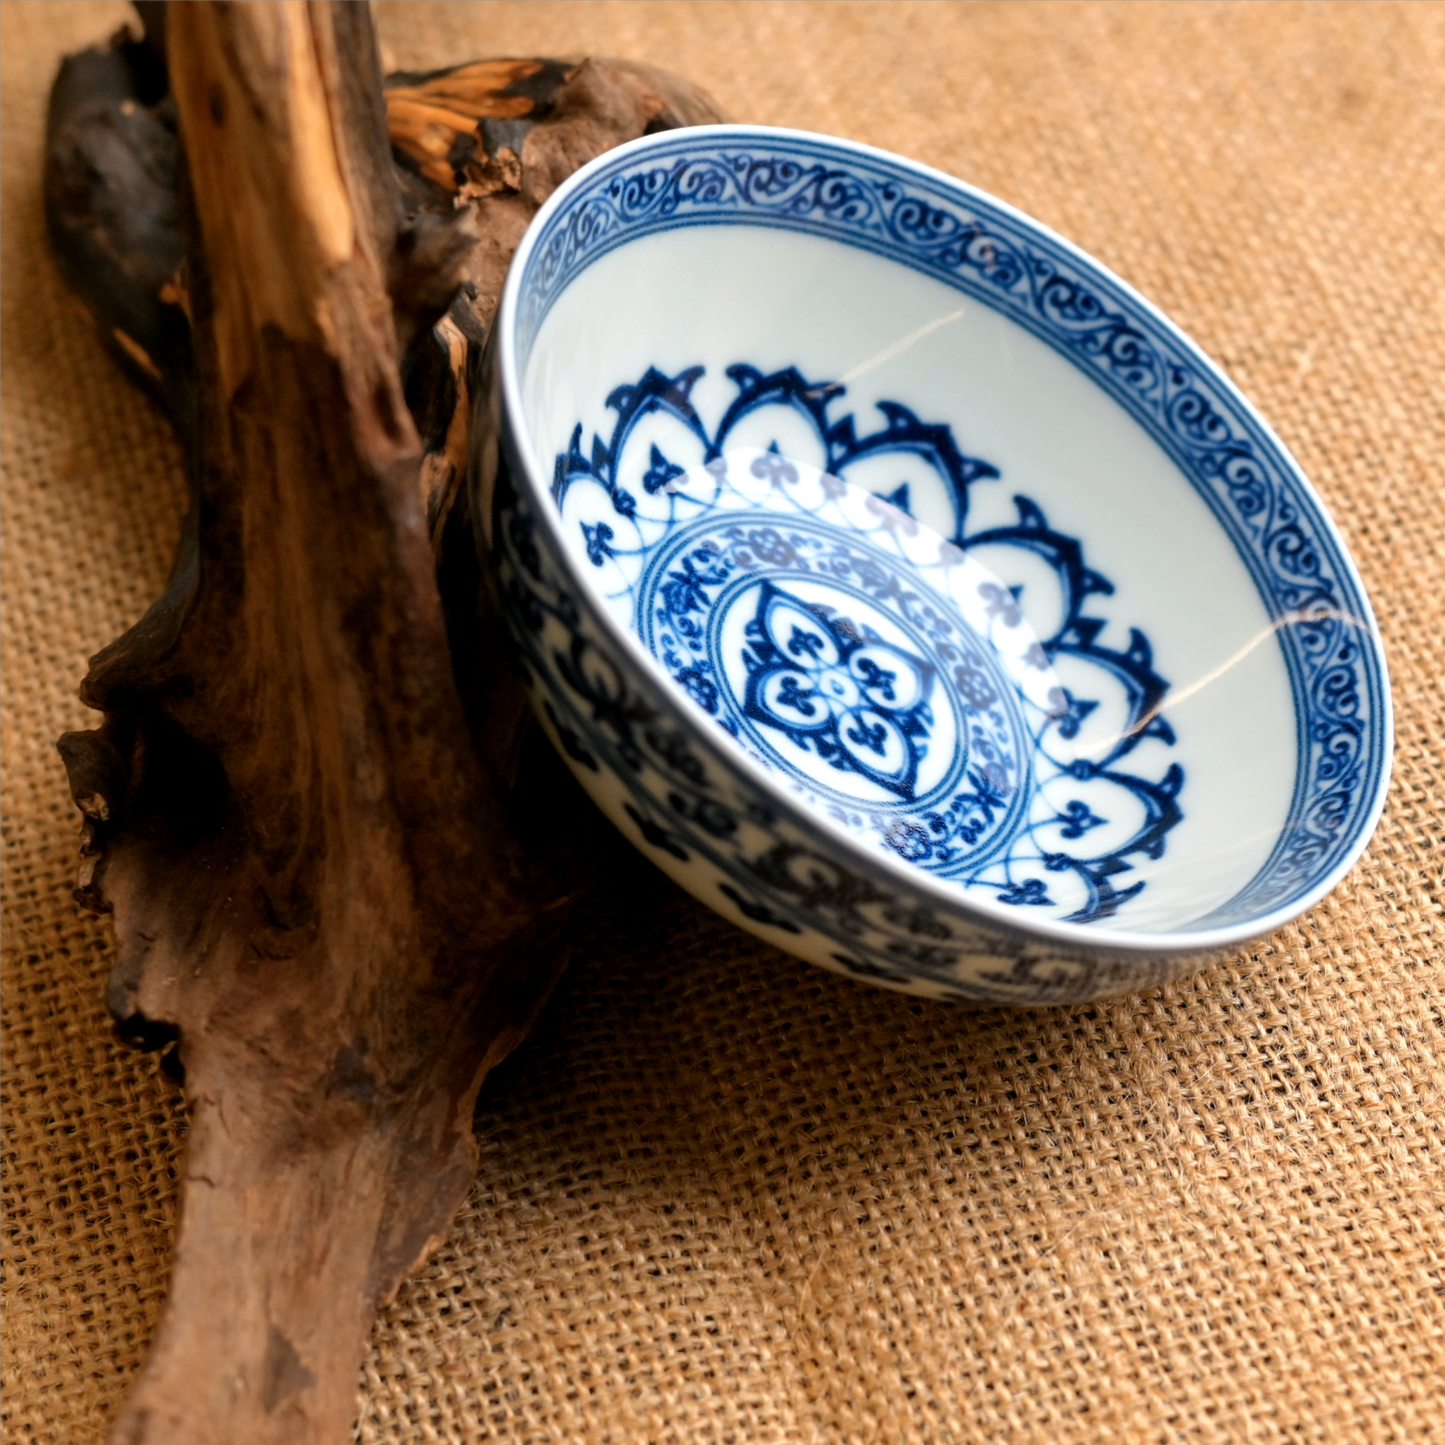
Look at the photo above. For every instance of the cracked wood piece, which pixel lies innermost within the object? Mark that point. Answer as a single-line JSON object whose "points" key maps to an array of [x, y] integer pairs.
{"points": [[338, 903], [314, 880], [500, 136]]}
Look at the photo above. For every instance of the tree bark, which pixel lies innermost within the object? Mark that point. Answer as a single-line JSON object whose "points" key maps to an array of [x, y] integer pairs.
{"points": [[339, 874]]}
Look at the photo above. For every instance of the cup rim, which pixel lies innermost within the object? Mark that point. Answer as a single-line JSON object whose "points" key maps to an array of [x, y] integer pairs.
{"points": [[996, 917]]}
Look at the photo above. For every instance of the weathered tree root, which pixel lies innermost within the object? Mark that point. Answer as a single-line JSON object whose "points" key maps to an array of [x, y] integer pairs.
{"points": [[333, 855]]}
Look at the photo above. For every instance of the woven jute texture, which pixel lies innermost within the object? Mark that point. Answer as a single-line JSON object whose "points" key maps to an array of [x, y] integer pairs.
{"points": [[727, 1198]]}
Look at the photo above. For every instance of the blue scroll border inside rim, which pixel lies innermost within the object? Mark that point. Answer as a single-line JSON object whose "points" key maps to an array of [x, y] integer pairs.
{"points": [[1040, 281]]}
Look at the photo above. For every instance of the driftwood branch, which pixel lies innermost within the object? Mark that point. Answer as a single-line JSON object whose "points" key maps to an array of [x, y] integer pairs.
{"points": [[339, 861]]}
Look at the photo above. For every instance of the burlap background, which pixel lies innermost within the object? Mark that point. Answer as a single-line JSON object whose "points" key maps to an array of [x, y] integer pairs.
{"points": [[726, 1198]]}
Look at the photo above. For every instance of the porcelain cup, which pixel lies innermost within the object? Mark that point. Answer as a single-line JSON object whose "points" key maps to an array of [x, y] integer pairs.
{"points": [[906, 586]]}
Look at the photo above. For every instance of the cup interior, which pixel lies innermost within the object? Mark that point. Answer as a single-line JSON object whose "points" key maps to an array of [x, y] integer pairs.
{"points": [[963, 602]]}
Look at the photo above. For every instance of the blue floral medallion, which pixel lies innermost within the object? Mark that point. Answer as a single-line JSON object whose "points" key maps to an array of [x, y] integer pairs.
{"points": [[871, 661], [824, 682], [811, 649]]}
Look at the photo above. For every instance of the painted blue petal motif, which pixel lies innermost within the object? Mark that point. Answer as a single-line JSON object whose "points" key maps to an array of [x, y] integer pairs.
{"points": [[861, 705], [598, 536], [660, 471], [843, 673]]}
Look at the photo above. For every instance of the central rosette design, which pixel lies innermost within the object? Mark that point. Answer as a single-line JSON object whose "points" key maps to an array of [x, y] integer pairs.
{"points": [[951, 692], [822, 655], [838, 689]]}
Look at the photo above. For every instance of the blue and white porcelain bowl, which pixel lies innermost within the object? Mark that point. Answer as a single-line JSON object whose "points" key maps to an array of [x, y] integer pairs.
{"points": [[906, 586]]}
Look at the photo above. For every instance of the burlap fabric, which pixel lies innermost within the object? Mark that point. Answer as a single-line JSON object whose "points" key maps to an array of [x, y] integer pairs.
{"points": [[726, 1198]]}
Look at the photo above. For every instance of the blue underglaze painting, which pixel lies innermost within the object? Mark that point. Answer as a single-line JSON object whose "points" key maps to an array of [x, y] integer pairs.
{"points": [[866, 658]]}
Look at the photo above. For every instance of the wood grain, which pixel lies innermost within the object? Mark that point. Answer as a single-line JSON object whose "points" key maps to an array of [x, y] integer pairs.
{"points": [[314, 808]]}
